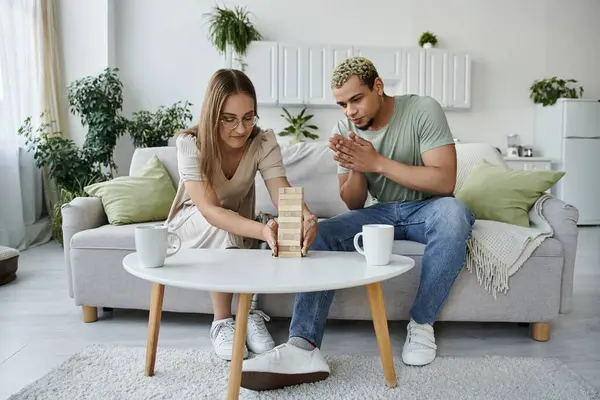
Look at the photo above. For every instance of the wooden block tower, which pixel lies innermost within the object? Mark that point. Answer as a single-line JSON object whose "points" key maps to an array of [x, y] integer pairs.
{"points": [[290, 220]]}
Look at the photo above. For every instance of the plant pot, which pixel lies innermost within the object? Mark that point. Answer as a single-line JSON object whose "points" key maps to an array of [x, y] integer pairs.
{"points": [[427, 45]]}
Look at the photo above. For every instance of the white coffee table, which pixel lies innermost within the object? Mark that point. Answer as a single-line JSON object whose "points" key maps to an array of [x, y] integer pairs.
{"points": [[256, 271]]}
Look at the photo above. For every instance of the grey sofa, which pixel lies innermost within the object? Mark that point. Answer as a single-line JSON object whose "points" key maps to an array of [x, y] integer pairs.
{"points": [[539, 291]]}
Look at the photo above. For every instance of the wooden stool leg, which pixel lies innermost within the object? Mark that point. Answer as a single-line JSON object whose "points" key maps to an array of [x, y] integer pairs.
{"points": [[375, 293], [239, 341], [90, 314], [156, 302], [540, 331]]}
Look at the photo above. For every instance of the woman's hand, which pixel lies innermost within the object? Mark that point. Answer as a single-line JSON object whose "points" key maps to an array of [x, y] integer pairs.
{"points": [[310, 232], [269, 234]]}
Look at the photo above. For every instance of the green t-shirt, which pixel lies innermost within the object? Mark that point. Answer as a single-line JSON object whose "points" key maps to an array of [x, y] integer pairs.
{"points": [[417, 124]]}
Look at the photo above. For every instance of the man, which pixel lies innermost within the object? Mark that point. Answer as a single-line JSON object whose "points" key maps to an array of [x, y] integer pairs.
{"points": [[400, 150]]}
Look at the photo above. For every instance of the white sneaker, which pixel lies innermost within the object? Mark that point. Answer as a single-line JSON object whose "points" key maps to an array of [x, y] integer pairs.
{"points": [[285, 365], [258, 338], [221, 336], [419, 347]]}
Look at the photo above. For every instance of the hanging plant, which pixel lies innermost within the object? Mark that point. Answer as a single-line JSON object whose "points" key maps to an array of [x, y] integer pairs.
{"points": [[428, 40], [548, 91], [231, 27]]}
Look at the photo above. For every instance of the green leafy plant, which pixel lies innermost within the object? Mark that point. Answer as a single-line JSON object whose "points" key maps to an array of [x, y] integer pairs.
{"points": [[98, 101], [298, 127], [547, 91], [428, 37], [72, 168], [148, 129], [231, 27]]}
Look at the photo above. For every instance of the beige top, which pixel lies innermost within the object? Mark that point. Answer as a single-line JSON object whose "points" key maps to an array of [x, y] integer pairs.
{"points": [[238, 193]]}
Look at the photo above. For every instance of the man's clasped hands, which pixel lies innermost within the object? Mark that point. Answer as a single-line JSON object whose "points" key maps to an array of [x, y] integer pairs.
{"points": [[355, 153]]}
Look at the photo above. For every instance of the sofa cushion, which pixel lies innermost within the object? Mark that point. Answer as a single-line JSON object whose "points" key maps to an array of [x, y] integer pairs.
{"points": [[108, 237], [167, 155], [468, 155], [503, 194], [311, 166], [145, 196]]}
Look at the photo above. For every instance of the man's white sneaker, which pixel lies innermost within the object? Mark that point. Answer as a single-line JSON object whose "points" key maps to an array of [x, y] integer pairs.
{"points": [[258, 338], [419, 347], [221, 336], [285, 365]]}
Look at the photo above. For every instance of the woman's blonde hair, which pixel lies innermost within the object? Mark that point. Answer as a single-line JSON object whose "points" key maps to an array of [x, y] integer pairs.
{"points": [[223, 83]]}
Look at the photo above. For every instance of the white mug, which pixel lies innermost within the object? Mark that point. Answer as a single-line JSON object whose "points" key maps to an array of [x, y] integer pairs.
{"points": [[378, 240], [152, 245]]}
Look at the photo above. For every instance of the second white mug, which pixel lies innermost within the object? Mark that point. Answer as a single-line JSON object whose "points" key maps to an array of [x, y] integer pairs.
{"points": [[378, 240]]}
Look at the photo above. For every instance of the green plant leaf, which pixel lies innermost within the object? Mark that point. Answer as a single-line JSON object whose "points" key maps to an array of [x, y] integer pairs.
{"points": [[548, 91], [231, 27], [297, 125]]}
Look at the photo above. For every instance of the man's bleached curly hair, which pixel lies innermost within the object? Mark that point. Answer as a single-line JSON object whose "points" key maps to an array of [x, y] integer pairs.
{"points": [[359, 66]]}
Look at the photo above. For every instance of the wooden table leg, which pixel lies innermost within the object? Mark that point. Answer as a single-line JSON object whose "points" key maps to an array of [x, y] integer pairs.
{"points": [[375, 293], [156, 302], [239, 341]]}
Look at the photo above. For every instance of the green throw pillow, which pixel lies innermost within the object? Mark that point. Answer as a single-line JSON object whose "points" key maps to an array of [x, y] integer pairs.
{"points": [[145, 196], [505, 195]]}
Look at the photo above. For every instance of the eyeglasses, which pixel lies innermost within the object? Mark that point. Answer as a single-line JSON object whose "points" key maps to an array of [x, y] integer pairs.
{"points": [[233, 122]]}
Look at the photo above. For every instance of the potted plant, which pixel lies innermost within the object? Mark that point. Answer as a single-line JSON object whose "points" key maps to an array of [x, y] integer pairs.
{"points": [[231, 27], [97, 101], [148, 129], [547, 91], [69, 166], [428, 40], [298, 127]]}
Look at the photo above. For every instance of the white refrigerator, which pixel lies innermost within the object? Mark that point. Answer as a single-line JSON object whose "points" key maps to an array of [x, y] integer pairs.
{"points": [[568, 133]]}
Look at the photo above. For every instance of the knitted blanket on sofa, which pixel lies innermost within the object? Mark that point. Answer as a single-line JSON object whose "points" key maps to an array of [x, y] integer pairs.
{"points": [[497, 250]]}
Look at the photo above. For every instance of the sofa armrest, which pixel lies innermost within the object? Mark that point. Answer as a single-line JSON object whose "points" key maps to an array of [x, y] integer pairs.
{"points": [[80, 214], [563, 218]]}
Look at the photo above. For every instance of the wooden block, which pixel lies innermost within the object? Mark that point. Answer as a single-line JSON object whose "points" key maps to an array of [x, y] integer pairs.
{"points": [[288, 243], [284, 226], [297, 236], [295, 254], [296, 214], [290, 249], [291, 202], [291, 207], [292, 196], [291, 190]]}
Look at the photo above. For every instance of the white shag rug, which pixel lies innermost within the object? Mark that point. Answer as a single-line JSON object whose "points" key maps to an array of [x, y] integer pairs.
{"points": [[114, 372]]}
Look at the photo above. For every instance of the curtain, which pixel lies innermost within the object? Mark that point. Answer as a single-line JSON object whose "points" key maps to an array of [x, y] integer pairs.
{"points": [[28, 86]]}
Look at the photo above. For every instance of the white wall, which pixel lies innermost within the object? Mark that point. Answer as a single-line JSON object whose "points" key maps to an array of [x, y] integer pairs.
{"points": [[164, 55], [85, 47]]}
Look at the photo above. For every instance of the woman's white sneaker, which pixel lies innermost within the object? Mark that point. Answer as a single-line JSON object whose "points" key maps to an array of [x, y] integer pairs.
{"points": [[221, 336], [258, 338], [419, 347]]}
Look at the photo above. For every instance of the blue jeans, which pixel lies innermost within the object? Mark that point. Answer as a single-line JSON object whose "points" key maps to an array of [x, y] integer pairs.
{"points": [[443, 224]]}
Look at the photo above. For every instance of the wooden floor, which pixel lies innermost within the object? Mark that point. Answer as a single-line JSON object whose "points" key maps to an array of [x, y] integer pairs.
{"points": [[40, 327]]}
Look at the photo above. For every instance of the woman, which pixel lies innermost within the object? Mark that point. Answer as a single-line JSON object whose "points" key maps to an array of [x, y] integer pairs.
{"points": [[214, 207]]}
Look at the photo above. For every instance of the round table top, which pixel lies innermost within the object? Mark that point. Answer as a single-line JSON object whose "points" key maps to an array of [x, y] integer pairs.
{"points": [[257, 271]]}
